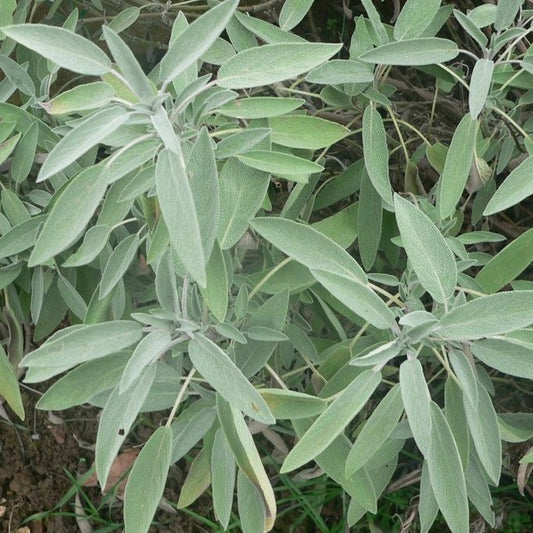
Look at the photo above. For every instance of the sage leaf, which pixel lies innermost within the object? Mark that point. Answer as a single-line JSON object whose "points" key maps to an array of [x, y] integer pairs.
{"points": [[507, 264], [270, 63], [414, 18], [21, 237], [376, 430], [246, 456], [80, 343], [25, 154], [285, 165], [333, 420], [302, 131], [197, 481], [72, 297], [369, 220], [446, 473], [479, 86], [487, 316], [287, 404], [505, 13], [267, 32], [413, 52], [117, 417], [376, 154], [337, 71], [117, 264], [84, 97], [426, 248], [190, 426], [203, 179], [223, 479], [93, 243], [128, 64], [84, 382], [517, 186], [428, 507], [9, 387], [147, 480], [241, 142], [216, 293], [457, 166], [226, 378], [471, 28], [308, 246], [195, 40], [506, 356], [82, 138], [358, 297], [150, 348], [242, 191], [483, 426], [179, 213], [292, 12], [260, 107], [250, 505], [416, 400], [69, 215], [83, 56]]}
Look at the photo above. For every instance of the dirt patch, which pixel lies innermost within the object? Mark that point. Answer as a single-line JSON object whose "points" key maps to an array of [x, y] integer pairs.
{"points": [[35, 456]]}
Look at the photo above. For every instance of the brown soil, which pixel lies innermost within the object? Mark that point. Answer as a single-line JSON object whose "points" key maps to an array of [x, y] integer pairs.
{"points": [[34, 457]]}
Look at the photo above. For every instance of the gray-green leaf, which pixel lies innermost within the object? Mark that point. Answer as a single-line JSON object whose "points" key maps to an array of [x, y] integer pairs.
{"points": [[225, 377], [242, 191], [416, 400], [82, 138], [292, 12], [488, 316], [430, 257], [264, 65], [333, 420], [413, 52], [376, 430], [308, 246], [69, 215], [358, 297], [77, 344], [61, 46], [446, 473], [457, 166], [196, 39], [147, 480], [117, 264], [376, 154], [506, 356], [179, 212], [117, 417], [414, 18], [479, 86], [517, 186]]}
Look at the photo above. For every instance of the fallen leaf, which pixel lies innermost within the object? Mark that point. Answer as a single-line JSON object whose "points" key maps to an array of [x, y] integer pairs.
{"points": [[120, 466], [81, 517], [59, 433]]}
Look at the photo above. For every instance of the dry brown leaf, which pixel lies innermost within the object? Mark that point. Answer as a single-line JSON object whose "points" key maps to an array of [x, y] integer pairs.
{"points": [[55, 419], [120, 466], [81, 517], [523, 474], [37, 526], [59, 433]]}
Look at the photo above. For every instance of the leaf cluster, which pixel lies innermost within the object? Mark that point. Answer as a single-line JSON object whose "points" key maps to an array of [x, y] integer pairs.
{"points": [[252, 238]]}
